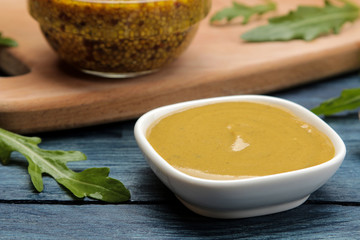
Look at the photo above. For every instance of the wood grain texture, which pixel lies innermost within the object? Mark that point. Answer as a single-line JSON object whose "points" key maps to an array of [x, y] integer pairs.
{"points": [[309, 221], [332, 212], [113, 145], [53, 96]]}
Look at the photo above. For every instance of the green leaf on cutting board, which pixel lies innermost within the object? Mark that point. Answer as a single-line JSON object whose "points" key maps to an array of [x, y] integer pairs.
{"points": [[92, 182], [307, 23], [7, 42], [348, 100], [242, 10]]}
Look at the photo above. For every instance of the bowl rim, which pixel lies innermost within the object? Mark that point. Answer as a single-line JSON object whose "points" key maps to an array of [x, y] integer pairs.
{"points": [[152, 155]]}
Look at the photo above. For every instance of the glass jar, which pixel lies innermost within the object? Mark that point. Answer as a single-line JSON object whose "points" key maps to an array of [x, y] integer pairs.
{"points": [[119, 38]]}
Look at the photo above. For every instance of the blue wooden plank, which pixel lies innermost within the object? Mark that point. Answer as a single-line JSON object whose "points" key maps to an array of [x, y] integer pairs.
{"points": [[172, 221], [312, 94]]}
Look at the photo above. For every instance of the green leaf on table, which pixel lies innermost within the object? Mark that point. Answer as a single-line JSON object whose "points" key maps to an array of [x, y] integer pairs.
{"points": [[307, 23], [348, 100], [93, 182], [7, 42], [241, 10]]}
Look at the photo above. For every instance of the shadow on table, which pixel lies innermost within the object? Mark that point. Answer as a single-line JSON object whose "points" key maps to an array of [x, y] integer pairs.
{"points": [[307, 219]]}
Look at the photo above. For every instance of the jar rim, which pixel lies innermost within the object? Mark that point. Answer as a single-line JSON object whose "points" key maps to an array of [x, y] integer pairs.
{"points": [[121, 1]]}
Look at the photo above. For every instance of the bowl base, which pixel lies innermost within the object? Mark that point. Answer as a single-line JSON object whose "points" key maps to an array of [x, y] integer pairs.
{"points": [[118, 75], [254, 212]]}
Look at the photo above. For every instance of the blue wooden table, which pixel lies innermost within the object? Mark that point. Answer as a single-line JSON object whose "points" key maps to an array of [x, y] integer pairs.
{"points": [[332, 212]]}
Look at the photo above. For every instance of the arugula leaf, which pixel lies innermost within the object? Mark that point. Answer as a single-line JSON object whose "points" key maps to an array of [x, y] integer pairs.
{"points": [[348, 100], [7, 42], [307, 22], [93, 182], [239, 9]]}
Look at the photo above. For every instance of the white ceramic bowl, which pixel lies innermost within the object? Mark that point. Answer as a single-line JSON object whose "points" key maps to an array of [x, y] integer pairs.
{"points": [[244, 197]]}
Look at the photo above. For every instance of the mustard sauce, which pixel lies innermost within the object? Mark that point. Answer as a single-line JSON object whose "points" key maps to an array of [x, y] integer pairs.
{"points": [[234, 140]]}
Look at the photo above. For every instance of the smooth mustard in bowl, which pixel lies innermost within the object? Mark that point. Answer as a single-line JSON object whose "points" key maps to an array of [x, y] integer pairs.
{"points": [[242, 197]]}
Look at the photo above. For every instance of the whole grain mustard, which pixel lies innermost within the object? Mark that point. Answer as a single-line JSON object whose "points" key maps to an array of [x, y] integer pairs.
{"points": [[119, 36]]}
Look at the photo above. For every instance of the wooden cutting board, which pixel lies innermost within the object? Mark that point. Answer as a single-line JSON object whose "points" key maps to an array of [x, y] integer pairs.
{"points": [[52, 96]]}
